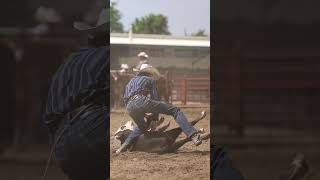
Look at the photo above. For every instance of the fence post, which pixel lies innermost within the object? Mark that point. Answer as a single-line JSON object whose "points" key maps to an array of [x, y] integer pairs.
{"points": [[184, 91]]}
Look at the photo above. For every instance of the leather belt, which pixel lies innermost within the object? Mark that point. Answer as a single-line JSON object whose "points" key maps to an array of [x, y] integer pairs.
{"points": [[134, 97], [143, 93], [75, 112], [81, 111], [72, 115]]}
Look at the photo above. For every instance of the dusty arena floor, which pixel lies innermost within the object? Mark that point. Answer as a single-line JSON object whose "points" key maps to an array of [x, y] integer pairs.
{"points": [[189, 162]]}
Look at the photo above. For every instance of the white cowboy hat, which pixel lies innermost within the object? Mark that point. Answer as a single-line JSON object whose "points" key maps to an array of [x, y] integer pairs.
{"points": [[47, 15], [143, 54], [150, 69], [101, 25], [124, 66]]}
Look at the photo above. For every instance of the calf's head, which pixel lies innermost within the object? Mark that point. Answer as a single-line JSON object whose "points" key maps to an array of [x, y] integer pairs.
{"points": [[123, 132]]}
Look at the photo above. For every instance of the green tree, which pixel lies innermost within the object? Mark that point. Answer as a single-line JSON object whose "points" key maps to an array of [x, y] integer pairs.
{"points": [[201, 32], [151, 24], [115, 16]]}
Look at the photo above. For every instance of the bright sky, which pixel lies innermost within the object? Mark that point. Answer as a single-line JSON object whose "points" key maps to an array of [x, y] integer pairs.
{"points": [[183, 15]]}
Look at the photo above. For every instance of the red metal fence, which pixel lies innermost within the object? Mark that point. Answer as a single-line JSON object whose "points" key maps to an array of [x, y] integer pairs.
{"points": [[190, 89]]}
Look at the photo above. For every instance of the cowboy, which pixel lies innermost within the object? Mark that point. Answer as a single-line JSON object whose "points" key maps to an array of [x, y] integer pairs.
{"points": [[47, 18], [143, 59], [124, 68], [141, 97], [76, 108]]}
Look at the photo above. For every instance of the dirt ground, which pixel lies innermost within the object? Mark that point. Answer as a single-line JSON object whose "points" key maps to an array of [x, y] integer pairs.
{"points": [[189, 162], [255, 162], [28, 171]]}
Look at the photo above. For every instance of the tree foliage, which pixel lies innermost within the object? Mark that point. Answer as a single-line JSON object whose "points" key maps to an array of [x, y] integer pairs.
{"points": [[200, 32], [151, 24], [115, 16]]}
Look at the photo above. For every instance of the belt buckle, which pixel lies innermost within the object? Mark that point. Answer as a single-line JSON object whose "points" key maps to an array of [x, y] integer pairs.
{"points": [[135, 97]]}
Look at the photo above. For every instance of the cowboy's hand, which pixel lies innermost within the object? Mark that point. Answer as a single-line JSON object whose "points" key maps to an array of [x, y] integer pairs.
{"points": [[155, 117]]}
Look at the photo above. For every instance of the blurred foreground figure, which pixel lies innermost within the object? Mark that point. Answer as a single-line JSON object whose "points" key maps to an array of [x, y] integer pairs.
{"points": [[76, 108], [222, 168]]}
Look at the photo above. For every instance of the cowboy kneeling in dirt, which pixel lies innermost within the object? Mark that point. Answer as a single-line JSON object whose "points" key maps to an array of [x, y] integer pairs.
{"points": [[138, 103]]}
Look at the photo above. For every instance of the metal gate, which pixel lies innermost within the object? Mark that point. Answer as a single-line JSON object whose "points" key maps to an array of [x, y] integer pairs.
{"points": [[190, 89]]}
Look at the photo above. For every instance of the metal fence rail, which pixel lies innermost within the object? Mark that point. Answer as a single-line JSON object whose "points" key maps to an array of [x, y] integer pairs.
{"points": [[191, 89]]}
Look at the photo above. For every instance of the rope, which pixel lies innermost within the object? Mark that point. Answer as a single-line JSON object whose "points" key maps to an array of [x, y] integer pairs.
{"points": [[123, 116], [56, 142]]}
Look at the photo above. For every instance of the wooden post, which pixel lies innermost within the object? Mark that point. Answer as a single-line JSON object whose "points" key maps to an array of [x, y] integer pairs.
{"points": [[227, 95], [234, 86], [184, 91]]}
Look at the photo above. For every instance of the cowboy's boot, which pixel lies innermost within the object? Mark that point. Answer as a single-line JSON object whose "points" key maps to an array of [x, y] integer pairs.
{"points": [[197, 138]]}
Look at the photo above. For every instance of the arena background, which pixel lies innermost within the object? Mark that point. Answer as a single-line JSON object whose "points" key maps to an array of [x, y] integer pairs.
{"points": [[265, 89]]}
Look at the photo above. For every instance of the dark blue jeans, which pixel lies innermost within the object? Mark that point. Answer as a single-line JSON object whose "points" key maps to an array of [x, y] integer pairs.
{"points": [[82, 148], [138, 106], [221, 165]]}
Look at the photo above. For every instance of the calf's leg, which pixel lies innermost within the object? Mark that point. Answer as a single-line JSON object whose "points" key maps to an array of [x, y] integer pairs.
{"points": [[174, 133], [176, 145]]}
